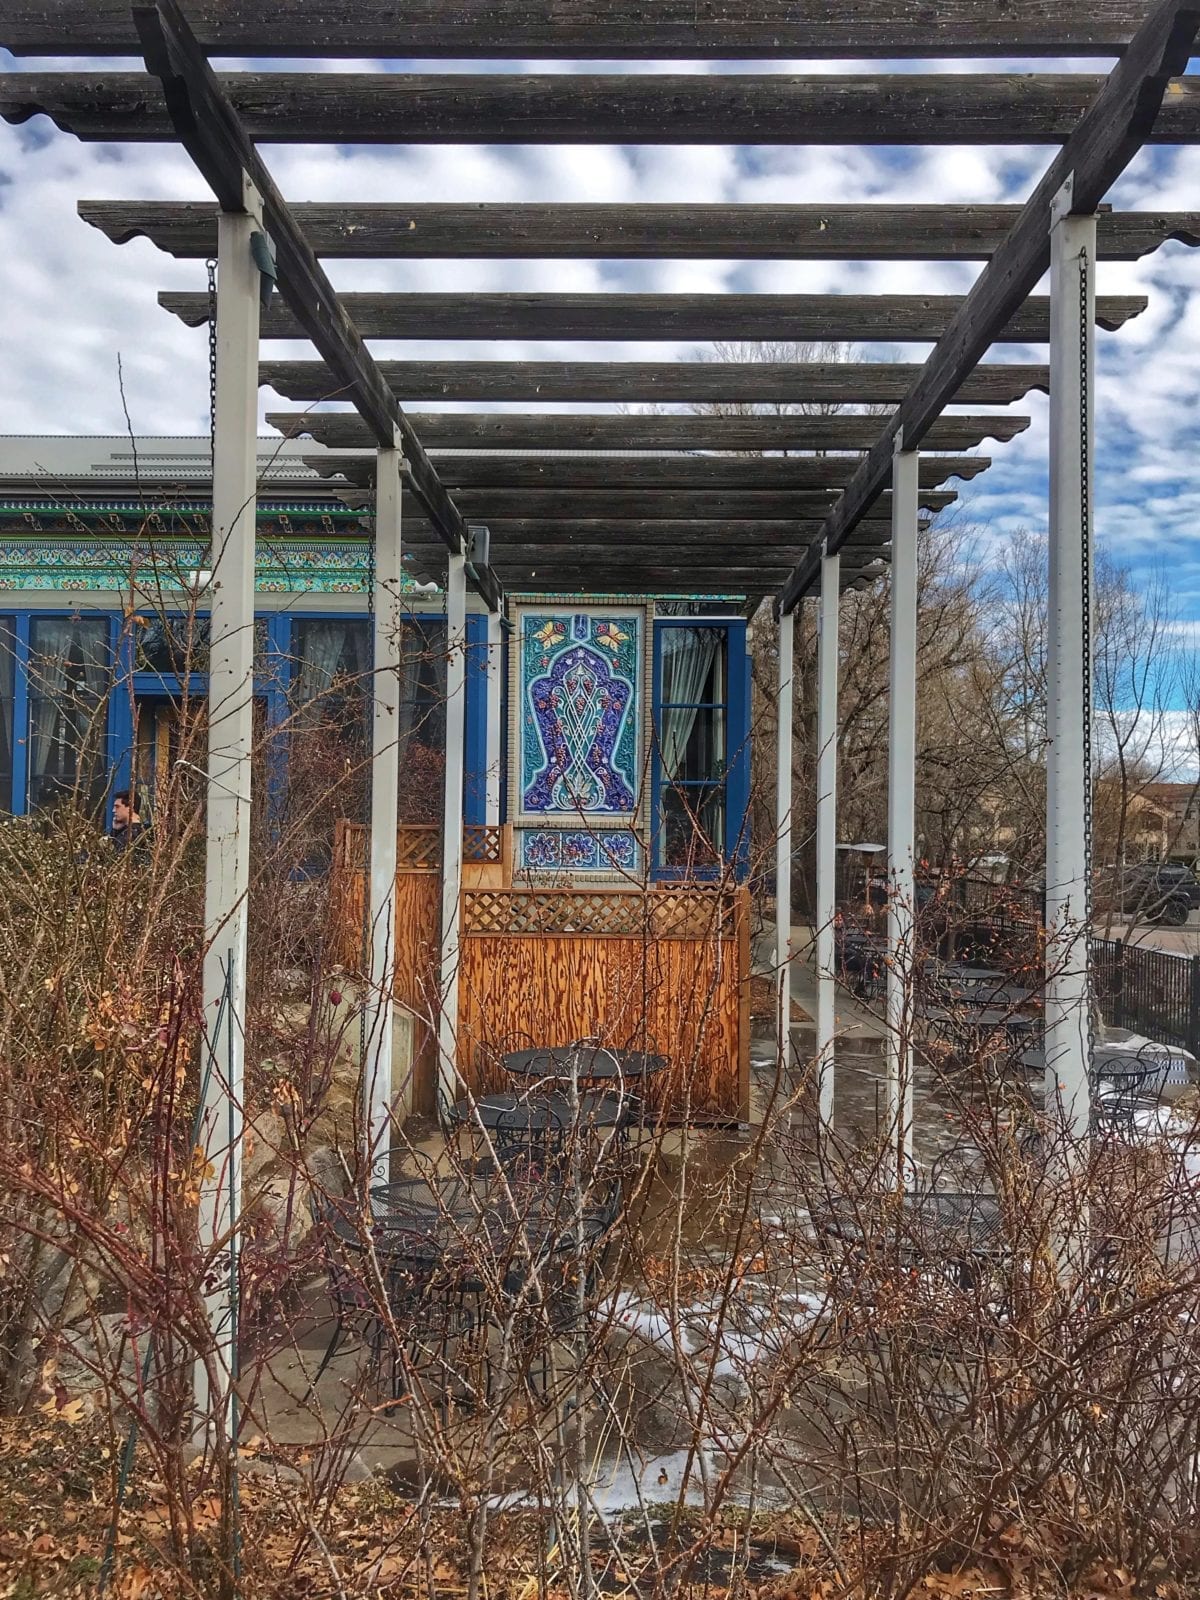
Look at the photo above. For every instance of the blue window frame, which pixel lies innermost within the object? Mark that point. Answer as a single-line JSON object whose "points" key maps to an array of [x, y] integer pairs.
{"points": [[56, 708], [700, 765], [71, 683]]}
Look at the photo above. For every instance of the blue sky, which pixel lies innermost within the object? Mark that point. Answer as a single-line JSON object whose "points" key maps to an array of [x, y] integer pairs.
{"points": [[72, 300]]}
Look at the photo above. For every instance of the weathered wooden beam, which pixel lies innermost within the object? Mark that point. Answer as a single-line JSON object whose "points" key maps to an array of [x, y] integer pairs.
{"points": [[893, 318], [652, 473], [658, 533], [618, 30], [737, 549], [668, 382], [1095, 155], [536, 108], [672, 505], [544, 430], [188, 229], [209, 128]]}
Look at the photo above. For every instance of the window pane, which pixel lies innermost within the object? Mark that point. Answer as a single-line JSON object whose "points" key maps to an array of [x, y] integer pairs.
{"points": [[693, 743], [69, 669], [327, 754], [330, 683], [8, 639], [422, 731], [171, 645], [693, 665], [692, 829], [691, 720]]}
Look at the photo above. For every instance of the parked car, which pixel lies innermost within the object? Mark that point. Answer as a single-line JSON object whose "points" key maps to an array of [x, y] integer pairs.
{"points": [[1159, 891]]}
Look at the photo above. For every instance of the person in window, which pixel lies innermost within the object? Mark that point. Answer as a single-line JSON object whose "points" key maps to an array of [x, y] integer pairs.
{"points": [[127, 825]]}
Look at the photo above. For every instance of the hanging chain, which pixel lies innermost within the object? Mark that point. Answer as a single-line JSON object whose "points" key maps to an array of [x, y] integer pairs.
{"points": [[1085, 553], [211, 267]]}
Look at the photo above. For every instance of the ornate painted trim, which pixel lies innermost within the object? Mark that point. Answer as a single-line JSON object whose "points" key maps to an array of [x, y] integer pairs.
{"points": [[309, 566]]}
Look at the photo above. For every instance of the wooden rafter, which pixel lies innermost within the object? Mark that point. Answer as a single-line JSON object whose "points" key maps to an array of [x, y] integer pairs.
{"points": [[892, 318], [187, 229], [662, 535], [608, 474], [668, 382], [532, 108], [641, 431], [1092, 159], [674, 506], [621, 29]]}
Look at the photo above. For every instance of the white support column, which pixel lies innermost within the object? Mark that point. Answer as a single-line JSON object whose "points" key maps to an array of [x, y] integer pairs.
{"points": [[230, 598], [377, 1063], [495, 712], [783, 831], [902, 761], [1068, 664], [452, 824], [826, 886]]}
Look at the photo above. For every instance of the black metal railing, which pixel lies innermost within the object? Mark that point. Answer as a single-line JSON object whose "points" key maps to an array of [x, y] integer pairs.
{"points": [[1149, 991]]}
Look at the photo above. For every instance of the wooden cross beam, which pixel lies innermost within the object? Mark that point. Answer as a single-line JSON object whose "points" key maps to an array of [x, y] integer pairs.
{"points": [[665, 382], [1095, 155], [532, 108], [209, 128], [618, 30], [545, 430], [673, 506], [661, 533], [653, 473], [893, 318], [433, 230]]}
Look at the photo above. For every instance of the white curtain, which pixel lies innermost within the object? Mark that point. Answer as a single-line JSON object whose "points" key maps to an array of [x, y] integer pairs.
{"points": [[68, 678], [687, 656], [325, 647], [7, 669]]}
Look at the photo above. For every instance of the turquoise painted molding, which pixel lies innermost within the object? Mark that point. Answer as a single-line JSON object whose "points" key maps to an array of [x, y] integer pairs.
{"points": [[284, 566]]}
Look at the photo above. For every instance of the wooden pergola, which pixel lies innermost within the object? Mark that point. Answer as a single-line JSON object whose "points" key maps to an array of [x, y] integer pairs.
{"points": [[750, 504]]}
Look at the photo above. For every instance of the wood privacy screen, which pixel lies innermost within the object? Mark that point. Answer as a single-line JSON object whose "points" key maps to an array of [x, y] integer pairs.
{"points": [[661, 969]]}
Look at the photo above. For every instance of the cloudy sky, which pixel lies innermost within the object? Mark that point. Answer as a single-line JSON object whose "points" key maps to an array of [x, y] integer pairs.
{"points": [[72, 301]]}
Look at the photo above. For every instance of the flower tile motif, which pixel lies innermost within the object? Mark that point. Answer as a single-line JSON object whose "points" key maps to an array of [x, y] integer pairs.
{"points": [[577, 850]]}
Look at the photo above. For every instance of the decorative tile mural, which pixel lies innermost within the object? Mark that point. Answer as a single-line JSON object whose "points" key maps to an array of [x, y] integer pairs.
{"points": [[579, 698], [576, 850]]}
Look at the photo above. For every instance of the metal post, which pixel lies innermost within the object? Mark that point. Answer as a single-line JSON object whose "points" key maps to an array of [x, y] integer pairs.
{"points": [[378, 1041], [495, 712], [902, 761], [1069, 666], [452, 825], [783, 831], [826, 887], [230, 595]]}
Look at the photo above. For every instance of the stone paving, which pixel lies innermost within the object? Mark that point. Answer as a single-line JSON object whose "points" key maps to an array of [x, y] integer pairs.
{"points": [[695, 1174]]}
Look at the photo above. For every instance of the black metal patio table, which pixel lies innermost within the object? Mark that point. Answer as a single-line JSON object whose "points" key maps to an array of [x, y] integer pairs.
{"points": [[538, 1112], [537, 1123], [971, 1024], [457, 1220], [456, 1241], [951, 1231], [585, 1062]]}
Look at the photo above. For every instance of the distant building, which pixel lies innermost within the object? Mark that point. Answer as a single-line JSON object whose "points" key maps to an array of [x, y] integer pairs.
{"points": [[1165, 821]]}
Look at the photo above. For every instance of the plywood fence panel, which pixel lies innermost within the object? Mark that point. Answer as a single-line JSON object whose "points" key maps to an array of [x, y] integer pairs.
{"points": [[661, 970], [679, 998]]}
